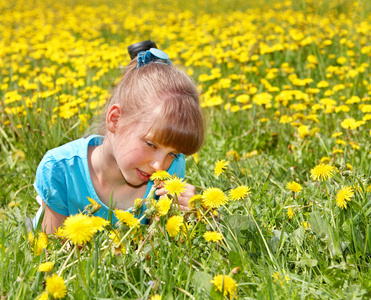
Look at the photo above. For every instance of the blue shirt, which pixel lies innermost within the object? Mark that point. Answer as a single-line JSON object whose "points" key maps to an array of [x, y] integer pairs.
{"points": [[63, 179]]}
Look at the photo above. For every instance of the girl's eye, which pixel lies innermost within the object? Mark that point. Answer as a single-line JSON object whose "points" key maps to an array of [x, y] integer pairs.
{"points": [[174, 155], [151, 145]]}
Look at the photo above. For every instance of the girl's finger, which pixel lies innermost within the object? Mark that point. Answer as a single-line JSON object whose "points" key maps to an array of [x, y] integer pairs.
{"points": [[159, 192]]}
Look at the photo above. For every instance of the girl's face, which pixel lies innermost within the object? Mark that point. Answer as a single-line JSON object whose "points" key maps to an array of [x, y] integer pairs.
{"points": [[137, 156]]}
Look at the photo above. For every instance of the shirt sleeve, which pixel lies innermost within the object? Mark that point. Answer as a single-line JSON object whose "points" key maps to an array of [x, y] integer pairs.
{"points": [[178, 166], [50, 184]]}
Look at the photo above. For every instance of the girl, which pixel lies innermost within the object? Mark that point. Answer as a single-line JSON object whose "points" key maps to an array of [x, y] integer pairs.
{"points": [[152, 120]]}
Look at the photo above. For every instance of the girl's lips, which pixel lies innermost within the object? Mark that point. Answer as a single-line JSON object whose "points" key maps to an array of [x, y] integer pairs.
{"points": [[143, 175]]}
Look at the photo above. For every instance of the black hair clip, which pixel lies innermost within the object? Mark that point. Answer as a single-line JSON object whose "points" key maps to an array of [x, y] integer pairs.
{"points": [[134, 49]]}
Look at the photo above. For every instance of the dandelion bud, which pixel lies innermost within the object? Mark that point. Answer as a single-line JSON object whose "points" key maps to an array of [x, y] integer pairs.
{"points": [[93, 207], [346, 173], [234, 271], [151, 208], [153, 228], [181, 240], [151, 194], [138, 203]]}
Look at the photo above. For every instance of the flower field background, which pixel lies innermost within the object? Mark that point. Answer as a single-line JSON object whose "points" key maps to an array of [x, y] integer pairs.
{"points": [[283, 179]]}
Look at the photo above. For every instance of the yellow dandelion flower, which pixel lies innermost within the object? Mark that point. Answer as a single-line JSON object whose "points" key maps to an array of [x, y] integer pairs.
{"points": [[13, 204], [30, 237], [347, 123], [214, 198], [285, 119], [122, 249], [43, 296], [325, 160], [305, 224], [126, 218], [56, 287], [345, 194], [98, 223], [59, 233], [40, 243], [186, 229], [114, 236], [220, 167], [290, 213], [303, 131], [355, 146], [336, 134], [160, 175], [337, 151], [239, 192], [250, 154], [156, 297], [233, 154], [196, 158], [323, 84], [195, 202], [138, 203], [94, 205], [277, 277], [322, 172], [2, 215], [46, 267], [164, 205], [173, 225], [294, 187], [175, 186], [226, 284], [78, 228], [340, 142], [212, 236]]}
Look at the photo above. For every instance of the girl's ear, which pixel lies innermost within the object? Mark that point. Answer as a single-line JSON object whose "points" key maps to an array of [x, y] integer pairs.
{"points": [[113, 117]]}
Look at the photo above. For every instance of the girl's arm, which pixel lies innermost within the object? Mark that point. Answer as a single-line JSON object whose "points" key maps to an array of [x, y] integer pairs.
{"points": [[52, 220]]}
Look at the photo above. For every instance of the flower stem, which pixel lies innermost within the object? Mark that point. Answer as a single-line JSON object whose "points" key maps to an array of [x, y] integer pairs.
{"points": [[123, 238], [66, 261]]}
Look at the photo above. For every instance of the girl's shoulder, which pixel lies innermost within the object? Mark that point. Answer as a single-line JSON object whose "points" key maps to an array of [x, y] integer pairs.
{"points": [[74, 148]]}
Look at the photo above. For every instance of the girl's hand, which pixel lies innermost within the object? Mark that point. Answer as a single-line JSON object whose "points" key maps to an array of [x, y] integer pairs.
{"points": [[183, 198]]}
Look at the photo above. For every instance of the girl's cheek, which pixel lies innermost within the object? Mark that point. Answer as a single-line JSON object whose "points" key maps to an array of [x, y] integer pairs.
{"points": [[168, 162]]}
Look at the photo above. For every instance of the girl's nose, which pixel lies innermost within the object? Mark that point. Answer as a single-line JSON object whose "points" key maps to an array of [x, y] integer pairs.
{"points": [[156, 165]]}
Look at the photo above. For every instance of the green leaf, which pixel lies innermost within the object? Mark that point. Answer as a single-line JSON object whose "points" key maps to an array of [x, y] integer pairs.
{"points": [[325, 232], [202, 281], [306, 261], [318, 223], [298, 235], [277, 236], [239, 221], [235, 259], [168, 296]]}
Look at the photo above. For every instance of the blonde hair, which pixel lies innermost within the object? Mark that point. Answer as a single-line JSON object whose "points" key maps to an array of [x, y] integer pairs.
{"points": [[164, 97]]}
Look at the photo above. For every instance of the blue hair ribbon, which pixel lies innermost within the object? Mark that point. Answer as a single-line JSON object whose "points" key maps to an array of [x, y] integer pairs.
{"points": [[153, 54]]}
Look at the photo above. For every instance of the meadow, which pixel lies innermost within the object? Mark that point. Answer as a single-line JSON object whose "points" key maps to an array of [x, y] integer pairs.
{"points": [[283, 180]]}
